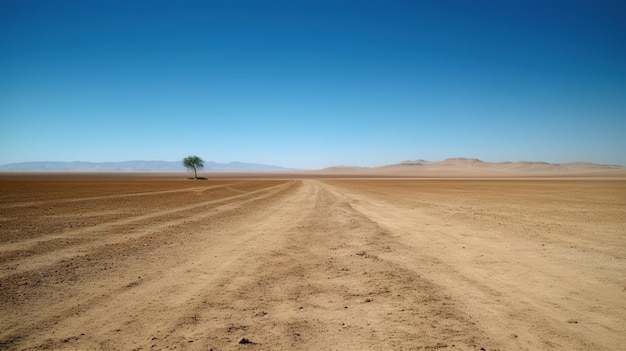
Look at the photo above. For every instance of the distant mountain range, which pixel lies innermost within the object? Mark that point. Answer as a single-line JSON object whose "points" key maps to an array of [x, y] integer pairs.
{"points": [[471, 167], [451, 167], [136, 166]]}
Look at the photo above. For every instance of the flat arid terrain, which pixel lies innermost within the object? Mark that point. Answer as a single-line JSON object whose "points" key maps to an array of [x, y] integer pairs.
{"points": [[141, 262]]}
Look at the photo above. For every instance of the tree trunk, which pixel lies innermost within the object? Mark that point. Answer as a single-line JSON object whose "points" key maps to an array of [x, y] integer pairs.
{"points": [[195, 173]]}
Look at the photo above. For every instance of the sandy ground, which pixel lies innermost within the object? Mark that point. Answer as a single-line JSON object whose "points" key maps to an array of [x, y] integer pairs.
{"points": [[127, 263]]}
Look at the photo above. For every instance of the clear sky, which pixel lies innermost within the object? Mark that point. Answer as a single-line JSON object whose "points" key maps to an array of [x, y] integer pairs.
{"points": [[310, 84]]}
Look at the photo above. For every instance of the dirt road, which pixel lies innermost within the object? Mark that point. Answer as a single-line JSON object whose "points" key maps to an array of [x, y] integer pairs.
{"points": [[312, 264]]}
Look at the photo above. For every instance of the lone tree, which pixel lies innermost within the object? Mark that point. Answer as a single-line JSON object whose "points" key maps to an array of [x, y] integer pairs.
{"points": [[193, 162]]}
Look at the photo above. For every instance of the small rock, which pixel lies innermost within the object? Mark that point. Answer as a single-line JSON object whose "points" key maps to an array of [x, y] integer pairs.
{"points": [[572, 321], [245, 341]]}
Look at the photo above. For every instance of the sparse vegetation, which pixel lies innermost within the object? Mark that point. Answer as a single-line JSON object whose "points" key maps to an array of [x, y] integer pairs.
{"points": [[195, 163]]}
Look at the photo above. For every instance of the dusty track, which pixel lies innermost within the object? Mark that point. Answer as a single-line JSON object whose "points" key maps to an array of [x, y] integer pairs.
{"points": [[308, 264]]}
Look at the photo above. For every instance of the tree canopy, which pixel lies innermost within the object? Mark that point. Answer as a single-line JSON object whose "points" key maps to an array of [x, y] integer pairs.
{"points": [[193, 162]]}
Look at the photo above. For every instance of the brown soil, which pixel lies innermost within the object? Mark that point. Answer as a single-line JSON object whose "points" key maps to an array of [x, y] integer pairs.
{"points": [[141, 263]]}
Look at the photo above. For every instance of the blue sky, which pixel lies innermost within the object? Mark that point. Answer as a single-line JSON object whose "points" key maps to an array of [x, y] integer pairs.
{"points": [[310, 84]]}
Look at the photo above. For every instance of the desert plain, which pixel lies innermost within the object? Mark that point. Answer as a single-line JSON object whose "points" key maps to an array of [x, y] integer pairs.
{"points": [[160, 262]]}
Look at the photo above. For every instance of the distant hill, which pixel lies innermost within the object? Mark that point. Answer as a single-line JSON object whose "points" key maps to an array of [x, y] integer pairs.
{"points": [[471, 167], [135, 166], [451, 167]]}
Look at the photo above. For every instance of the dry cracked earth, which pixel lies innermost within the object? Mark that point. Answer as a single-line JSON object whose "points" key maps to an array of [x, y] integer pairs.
{"points": [[157, 263]]}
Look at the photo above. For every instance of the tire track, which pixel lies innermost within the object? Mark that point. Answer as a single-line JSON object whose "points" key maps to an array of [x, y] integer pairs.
{"points": [[26, 243], [116, 196], [151, 291], [37, 261], [520, 296], [34, 224], [295, 267], [312, 265], [312, 278]]}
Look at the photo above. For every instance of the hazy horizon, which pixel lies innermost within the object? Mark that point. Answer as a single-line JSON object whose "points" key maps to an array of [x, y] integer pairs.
{"points": [[310, 85], [155, 165]]}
